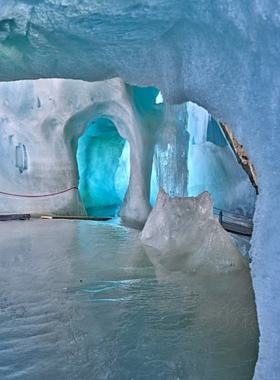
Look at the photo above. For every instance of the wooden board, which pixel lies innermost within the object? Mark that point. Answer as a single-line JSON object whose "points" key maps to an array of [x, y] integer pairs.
{"points": [[74, 217], [6, 217], [238, 229]]}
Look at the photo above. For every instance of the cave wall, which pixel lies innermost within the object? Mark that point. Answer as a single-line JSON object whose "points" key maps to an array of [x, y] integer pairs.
{"points": [[213, 165], [42, 122], [223, 56]]}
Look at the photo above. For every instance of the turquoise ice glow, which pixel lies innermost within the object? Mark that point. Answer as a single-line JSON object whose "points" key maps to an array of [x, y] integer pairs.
{"points": [[99, 152]]}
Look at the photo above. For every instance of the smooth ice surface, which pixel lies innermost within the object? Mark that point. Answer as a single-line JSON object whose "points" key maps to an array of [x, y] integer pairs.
{"points": [[221, 55], [182, 235], [171, 150], [85, 303]]}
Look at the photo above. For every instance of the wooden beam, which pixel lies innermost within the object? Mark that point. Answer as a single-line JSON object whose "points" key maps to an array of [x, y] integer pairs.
{"points": [[5, 217], [74, 217]]}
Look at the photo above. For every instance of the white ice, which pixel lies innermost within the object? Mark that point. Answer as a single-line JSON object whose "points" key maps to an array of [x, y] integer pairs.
{"points": [[182, 235], [46, 118]]}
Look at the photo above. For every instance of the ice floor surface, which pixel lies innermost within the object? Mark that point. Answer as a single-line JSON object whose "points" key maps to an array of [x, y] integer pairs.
{"points": [[80, 300]]}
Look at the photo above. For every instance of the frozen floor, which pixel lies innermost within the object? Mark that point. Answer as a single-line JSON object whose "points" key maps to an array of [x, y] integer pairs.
{"points": [[80, 300]]}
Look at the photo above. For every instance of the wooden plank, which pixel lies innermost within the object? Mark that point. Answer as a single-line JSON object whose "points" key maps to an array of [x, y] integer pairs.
{"points": [[74, 218], [234, 222], [236, 228], [6, 217]]}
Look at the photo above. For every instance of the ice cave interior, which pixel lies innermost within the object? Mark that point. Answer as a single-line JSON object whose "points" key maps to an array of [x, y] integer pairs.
{"points": [[138, 111]]}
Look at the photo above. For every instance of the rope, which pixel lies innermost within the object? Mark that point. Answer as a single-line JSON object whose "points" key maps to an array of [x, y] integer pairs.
{"points": [[39, 196]]}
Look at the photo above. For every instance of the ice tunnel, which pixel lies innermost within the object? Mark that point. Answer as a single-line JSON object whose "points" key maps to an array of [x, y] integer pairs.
{"points": [[79, 150], [103, 173], [223, 56]]}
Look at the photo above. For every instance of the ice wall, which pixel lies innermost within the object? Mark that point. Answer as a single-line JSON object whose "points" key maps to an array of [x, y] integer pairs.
{"points": [[221, 55], [192, 155], [42, 122], [213, 166], [37, 160]]}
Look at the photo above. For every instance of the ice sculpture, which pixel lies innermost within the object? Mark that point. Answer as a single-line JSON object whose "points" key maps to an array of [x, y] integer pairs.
{"points": [[182, 235]]}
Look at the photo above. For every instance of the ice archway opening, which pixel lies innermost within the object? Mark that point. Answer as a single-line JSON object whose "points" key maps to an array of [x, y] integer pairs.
{"points": [[103, 158]]}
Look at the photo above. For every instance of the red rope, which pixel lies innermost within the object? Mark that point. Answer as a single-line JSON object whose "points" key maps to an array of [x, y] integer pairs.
{"points": [[39, 196]]}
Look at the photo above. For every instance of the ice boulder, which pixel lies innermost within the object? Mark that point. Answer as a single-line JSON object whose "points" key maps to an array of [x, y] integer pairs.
{"points": [[182, 235]]}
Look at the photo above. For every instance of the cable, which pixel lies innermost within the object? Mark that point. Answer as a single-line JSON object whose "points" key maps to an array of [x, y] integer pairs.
{"points": [[38, 196]]}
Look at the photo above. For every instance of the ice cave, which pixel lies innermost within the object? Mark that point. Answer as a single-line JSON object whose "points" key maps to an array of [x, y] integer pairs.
{"points": [[139, 189]]}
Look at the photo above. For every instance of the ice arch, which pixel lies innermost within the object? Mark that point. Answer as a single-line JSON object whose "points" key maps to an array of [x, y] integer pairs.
{"points": [[42, 122], [221, 55], [103, 176]]}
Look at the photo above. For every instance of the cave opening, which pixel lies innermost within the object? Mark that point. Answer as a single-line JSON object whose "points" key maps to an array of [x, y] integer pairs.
{"points": [[103, 158], [110, 278], [196, 153]]}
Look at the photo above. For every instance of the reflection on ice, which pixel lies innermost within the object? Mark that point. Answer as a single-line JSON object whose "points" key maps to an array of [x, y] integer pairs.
{"points": [[80, 300]]}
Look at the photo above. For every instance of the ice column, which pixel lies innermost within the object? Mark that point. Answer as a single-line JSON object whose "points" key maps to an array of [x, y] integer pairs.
{"points": [[171, 151]]}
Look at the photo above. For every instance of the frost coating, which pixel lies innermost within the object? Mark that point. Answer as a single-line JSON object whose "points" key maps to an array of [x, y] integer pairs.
{"points": [[182, 235]]}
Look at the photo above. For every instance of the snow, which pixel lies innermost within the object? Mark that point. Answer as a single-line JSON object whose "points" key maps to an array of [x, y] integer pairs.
{"points": [[221, 55]]}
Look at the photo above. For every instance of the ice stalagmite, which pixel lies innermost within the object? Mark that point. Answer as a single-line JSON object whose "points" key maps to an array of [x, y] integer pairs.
{"points": [[182, 234]]}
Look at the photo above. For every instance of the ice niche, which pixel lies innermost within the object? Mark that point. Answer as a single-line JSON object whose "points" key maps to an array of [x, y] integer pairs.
{"points": [[183, 235]]}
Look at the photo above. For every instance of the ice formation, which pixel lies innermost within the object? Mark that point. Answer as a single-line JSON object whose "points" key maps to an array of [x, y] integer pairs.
{"points": [[221, 55], [42, 122], [193, 155], [99, 153], [182, 235], [213, 167]]}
